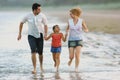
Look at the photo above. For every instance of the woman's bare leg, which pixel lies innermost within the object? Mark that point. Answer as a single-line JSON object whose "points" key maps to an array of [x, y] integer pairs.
{"points": [[77, 57], [71, 55]]}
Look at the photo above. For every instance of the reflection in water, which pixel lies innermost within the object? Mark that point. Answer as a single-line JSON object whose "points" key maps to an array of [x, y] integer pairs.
{"points": [[57, 76], [40, 77], [75, 76]]}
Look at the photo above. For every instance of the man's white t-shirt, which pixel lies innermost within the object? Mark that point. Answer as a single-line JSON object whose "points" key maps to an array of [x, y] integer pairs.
{"points": [[35, 24]]}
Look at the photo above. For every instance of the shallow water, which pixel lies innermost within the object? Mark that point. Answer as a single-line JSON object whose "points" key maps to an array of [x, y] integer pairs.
{"points": [[100, 54]]}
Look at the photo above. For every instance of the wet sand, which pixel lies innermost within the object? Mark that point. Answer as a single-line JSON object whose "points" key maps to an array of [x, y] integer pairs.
{"points": [[66, 76]]}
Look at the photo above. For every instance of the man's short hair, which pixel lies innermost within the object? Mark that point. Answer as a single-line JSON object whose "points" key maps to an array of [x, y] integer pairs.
{"points": [[35, 6]]}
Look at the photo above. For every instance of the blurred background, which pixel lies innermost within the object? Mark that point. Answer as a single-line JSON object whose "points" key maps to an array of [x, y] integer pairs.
{"points": [[19, 3], [102, 12]]}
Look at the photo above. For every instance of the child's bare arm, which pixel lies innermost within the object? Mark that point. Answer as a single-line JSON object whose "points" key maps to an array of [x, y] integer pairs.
{"points": [[48, 37], [84, 26]]}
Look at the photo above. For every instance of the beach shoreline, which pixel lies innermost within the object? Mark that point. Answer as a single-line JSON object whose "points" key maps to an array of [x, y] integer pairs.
{"points": [[97, 20], [106, 21]]}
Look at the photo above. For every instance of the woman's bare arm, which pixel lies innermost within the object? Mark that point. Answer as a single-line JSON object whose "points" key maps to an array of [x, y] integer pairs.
{"points": [[84, 26]]}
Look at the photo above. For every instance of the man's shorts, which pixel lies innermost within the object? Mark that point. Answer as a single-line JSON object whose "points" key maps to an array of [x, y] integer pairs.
{"points": [[56, 49], [75, 43], [36, 44]]}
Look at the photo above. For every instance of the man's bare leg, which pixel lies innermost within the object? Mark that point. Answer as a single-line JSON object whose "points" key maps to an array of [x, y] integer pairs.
{"points": [[33, 57], [41, 62]]}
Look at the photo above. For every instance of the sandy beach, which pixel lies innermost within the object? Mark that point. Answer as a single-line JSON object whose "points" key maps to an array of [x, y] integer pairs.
{"points": [[106, 21], [99, 60]]}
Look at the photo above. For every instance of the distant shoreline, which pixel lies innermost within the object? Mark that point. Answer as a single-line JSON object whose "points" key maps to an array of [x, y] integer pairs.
{"points": [[98, 20], [85, 6], [106, 21]]}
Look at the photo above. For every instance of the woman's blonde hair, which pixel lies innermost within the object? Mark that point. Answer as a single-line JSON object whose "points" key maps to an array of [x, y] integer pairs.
{"points": [[76, 11]]}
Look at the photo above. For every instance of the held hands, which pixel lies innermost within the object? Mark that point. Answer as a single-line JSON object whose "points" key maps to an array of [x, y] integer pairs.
{"points": [[45, 37], [66, 34]]}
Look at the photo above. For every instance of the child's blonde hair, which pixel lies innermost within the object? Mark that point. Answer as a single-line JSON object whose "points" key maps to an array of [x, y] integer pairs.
{"points": [[76, 11]]}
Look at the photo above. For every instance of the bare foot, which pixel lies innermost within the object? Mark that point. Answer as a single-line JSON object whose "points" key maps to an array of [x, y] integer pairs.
{"points": [[69, 63], [76, 70], [42, 70], [34, 72], [57, 70]]}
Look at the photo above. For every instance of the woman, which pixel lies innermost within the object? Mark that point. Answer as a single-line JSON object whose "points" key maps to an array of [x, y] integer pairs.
{"points": [[75, 27]]}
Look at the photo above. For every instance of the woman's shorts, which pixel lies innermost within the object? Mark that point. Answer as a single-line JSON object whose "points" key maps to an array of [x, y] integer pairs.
{"points": [[36, 44], [56, 49], [75, 43]]}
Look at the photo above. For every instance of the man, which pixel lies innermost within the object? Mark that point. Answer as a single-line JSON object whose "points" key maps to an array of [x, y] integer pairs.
{"points": [[35, 20]]}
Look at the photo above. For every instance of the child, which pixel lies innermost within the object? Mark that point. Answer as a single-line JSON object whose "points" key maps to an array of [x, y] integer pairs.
{"points": [[56, 36], [75, 26]]}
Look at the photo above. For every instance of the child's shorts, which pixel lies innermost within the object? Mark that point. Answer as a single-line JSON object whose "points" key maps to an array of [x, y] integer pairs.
{"points": [[75, 43], [56, 49]]}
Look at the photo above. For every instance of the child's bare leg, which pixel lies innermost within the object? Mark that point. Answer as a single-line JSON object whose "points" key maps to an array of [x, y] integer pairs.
{"points": [[71, 55], [57, 61], [77, 57], [54, 59]]}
